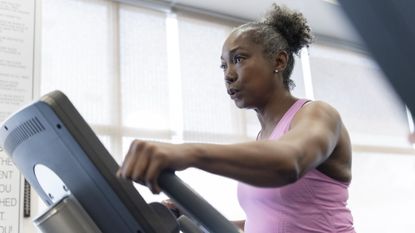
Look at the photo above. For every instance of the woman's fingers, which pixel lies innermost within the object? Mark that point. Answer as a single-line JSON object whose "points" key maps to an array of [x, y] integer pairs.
{"points": [[152, 174], [127, 168], [145, 160], [172, 207], [142, 164]]}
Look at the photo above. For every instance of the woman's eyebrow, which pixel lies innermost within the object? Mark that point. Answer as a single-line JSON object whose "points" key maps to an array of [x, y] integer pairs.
{"points": [[233, 51]]}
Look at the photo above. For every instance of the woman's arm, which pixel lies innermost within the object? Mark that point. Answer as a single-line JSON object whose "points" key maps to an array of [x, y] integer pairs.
{"points": [[313, 136], [240, 224]]}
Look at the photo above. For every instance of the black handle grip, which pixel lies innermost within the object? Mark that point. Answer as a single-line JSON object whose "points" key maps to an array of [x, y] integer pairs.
{"points": [[198, 208], [187, 226]]}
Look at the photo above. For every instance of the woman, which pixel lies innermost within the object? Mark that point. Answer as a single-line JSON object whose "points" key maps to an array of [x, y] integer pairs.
{"points": [[294, 177]]}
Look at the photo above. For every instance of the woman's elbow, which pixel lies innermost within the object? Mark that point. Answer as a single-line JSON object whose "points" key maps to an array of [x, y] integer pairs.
{"points": [[284, 173], [289, 169], [290, 173]]}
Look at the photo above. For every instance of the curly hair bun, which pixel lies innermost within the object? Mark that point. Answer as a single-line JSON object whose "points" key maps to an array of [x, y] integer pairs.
{"points": [[291, 25]]}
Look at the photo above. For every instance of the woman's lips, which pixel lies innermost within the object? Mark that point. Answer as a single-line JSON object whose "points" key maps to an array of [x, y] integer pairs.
{"points": [[234, 93]]}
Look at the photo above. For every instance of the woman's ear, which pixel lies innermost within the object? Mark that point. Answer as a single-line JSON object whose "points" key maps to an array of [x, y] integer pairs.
{"points": [[281, 61]]}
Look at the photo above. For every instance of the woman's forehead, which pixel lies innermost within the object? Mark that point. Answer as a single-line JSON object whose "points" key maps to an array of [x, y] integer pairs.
{"points": [[239, 39]]}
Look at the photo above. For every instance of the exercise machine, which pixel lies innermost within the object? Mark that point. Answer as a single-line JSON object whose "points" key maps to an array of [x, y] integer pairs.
{"points": [[67, 165]]}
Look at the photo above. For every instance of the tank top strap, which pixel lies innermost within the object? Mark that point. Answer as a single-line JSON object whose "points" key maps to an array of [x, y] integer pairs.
{"points": [[283, 125]]}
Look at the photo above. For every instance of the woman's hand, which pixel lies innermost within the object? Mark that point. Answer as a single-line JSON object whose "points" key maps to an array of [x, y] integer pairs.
{"points": [[172, 207], [145, 160], [411, 138]]}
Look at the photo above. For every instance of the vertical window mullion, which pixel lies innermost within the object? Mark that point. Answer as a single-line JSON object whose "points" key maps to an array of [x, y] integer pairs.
{"points": [[116, 105], [174, 78], [308, 84]]}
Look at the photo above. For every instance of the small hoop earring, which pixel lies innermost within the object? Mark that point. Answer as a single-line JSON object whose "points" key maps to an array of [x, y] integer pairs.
{"points": [[275, 71]]}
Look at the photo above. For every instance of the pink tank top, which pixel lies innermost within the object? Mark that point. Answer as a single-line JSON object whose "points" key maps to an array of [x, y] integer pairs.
{"points": [[315, 203]]}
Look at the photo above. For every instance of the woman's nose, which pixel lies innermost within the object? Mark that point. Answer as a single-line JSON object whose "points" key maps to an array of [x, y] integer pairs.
{"points": [[230, 76]]}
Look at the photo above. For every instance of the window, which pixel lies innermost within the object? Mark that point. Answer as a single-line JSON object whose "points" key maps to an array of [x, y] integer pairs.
{"points": [[140, 73], [203, 85], [355, 85], [154, 75]]}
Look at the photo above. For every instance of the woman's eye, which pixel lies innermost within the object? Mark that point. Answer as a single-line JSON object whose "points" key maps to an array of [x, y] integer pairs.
{"points": [[237, 59], [223, 66]]}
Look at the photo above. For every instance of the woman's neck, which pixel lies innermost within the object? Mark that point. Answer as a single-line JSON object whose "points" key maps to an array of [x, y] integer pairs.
{"points": [[272, 112]]}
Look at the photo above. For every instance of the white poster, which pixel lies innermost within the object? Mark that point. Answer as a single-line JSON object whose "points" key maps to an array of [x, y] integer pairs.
{"points": [[17, 20]]}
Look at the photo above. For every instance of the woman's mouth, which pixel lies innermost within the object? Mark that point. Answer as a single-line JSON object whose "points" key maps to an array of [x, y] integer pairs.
{"points": [[234, 93]]}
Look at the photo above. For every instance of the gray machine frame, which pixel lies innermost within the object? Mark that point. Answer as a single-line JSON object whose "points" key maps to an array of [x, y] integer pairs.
{"points": [[51, 133], [387, 28]]}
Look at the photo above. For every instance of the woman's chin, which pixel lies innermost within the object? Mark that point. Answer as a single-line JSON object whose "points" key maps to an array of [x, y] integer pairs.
{"points": [[240, 103]]}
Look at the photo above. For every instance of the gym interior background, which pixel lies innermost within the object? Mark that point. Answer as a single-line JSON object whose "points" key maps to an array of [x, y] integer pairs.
{"points": [[150, 70]]}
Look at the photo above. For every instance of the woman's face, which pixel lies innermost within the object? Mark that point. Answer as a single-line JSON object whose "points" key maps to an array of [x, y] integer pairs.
{"points": [[249, 74]]}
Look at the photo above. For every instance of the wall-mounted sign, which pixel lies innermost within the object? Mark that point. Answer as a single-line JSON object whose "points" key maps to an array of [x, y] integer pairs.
{"points": [[17, 20]]}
